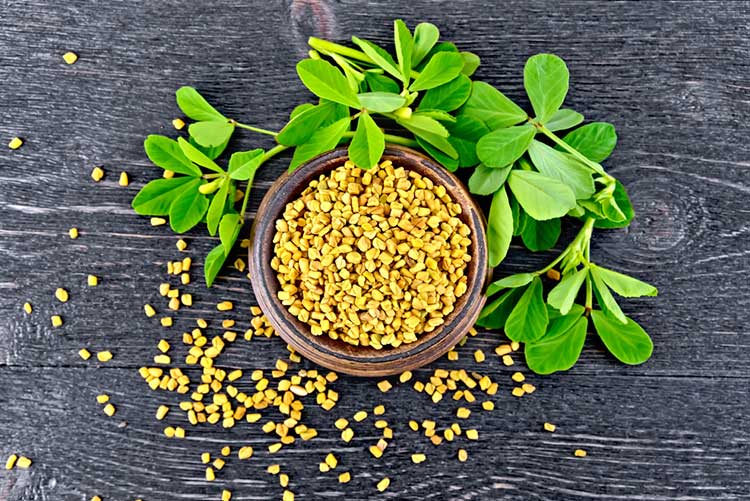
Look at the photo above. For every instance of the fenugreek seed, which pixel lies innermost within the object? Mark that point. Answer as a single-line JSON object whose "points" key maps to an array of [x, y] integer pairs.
{"points": [[11, 462], [97, 174], [167, 174], [384, 385], [528, 387], [553, 275], [166, 321], [149, 310], [109, 410], [123, 181], [503, 349], [463, 413], [347, 435], [418, 458], [163, 346], [245, 452], [218, 463], [27, 308], [178, 123], [84, 353], [383, 484], [515, 345], [73, 233], [287, 496], [57, 320], [518, 377], [158, 221], [210, 475], [161, 412], [92, 280], [414, 425], [96, 498], [341, 423], [345, 477], [549, 427], [226, 495], [579, 453], [15, 143], [331, 461], [472, 434], [507, 360], [104, 356], [379, 410], [518, 391], [479, 356], [463, 455], [102, 399], [360, 416], [224, 306], [375, 451], [273, 469], [274, 448], [70, 57], [283, 479], [162, 359], [23, 462], [488, 405]]}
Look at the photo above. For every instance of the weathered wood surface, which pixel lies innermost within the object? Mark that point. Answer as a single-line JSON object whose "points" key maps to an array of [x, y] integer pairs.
{"points": [[673, 78]]}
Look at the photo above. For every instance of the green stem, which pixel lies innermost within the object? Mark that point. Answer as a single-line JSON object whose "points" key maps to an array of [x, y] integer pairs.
{"points": [[326, 46], [256, 129], [593, 165], [266, 156], [583, 233], [589, 295]]}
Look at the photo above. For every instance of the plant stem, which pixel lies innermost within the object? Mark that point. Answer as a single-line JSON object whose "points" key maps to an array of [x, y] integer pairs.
{"points": [[256, 129], [589, 294], [266, 156], [583, 233], [326, 46], [593, 165]]}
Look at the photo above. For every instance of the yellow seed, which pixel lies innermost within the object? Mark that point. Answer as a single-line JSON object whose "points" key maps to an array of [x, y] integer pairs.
{"points": [[158, 221], [283, 479], [27, 308], [515, 345], [503, 349], [11, 462], [167, 174], [379, 410], [179, 432], [331, 460], [518, 391], [166, 321], [104, 356], [472, 434], [414, 425], [507, 360], [181, 245], [15, 143], [224, 306], [579, 453], [161, 412], [488, 405], [219, 463], [73, 233], [149, 310], [61, 295], [528, 387], [345, 477], [479, 356], [273, 469], [341, 423], [206, 457], [462, 455], [109, 410], [463, 413], [405, 376], [96, 498], [287, 496], [418, 458], [97, 174], [383, 484], [163, 346], [102, 399], [384, 385], [70, 57], [123, 181], [360, 416], [210, 475], [162, 359], [178, 123], [273, 448], [92, 280], [23, 462], [84, 353], [245, 452], [226, 495], [56, 320], [347, 435], [518, 377], [549, 427], [375, 451]]}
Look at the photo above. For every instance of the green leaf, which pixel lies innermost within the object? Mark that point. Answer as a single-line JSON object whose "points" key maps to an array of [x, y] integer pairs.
{"points": [[305, 123], [540, 196], [381, 102], [404, 47], [629, 343], [540, 235], [216, 208], [326, 81], [197, 156], [625, 285], [195, 106], [188, 208], [381, 83], [487, 180], [510, 282], [564, 294], [620, 196], [447, 97], [495, 314], [605, 298], [564, 118], [243, 164], [560, 348], [499, 228], [545, 78], [299, 109], [425, 37], [528, 320], [519, 216], [595, 140], [213, 263], [488, 104], [471, 63], [157, 196], [379, 56], [439, 115], [229, 229], [212, 152], [166, 153], [449, 163], [441, 68], [431, 131], [563, 167], [322, 140], [502, 147], [211, 133], [464, 134], [367, 144]]}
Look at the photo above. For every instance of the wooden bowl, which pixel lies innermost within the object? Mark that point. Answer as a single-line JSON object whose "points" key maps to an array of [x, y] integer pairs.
{"points": [[336, 354]]}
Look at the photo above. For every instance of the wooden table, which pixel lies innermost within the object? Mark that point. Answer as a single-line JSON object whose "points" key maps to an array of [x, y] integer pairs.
{"points": [[673, 77]]}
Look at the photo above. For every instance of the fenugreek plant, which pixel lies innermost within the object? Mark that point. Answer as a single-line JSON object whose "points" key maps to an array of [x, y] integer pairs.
{"points": [[534, 174]]}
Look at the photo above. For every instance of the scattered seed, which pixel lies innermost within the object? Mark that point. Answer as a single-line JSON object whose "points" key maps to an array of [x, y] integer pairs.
{"points": [[518, 377], [23, 462], [97, 174], [61, 295], [104, 356], [11, 462], [579, 453], [553, 275], [27, 308], [102, 399], [92, 280], [463, 455], [518, 391], [418, 458], [57, 320], [549, 427], [360, 416], [345, 477], [479, 356], [224, 306], [181, 245], [463, 413], [158, 221], [245, 452], [73, 233], [123, 181], [70, 57], [178, 123], [383, 484], [109, 410], [84, 353], [15, 143], [384, 385], [226, 495], [507, 360]]}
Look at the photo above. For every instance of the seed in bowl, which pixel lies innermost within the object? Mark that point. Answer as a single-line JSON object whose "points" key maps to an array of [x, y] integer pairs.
{"points": [[373, 258]]}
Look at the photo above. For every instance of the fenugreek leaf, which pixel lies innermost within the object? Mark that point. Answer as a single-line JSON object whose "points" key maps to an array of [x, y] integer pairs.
{"points": [[381, 102], [510, 282], [212, 152], [441, 68], [449, 163], [425, 37], [487, 180], [216, 207], [540, 235], [605, 298], [229, 229], [564, 118], [157, 196], [528, 320], [322, 140], [499, 228], [367, 144], [620, 196], [379, 56], [502, 147], [629, 343], [306, 122], [194, 106], [299, 109], [404, 47], [540, 196], [488, 104], [447, 97], [595, 140], [243, 164], [563, 167], [439, 115], [625, 285], [213, 263], [188, 208], [471, 63], [197, 156], [326, 81], [211, 133], [168, 155], [464, 135], [495, 314], [380, 83], [560, 348], [545, 78], [431, 131], [564, 294]]}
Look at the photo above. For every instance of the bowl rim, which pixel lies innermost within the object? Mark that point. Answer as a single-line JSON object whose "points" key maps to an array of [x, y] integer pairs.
{"points": [[344, 357]]}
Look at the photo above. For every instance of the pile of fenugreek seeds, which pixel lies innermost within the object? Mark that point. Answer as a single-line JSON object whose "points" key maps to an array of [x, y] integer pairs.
{"points": [[374, 258]]}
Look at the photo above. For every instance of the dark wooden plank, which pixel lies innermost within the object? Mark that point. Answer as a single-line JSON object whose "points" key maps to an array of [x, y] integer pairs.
{"points": [[671, 76]]}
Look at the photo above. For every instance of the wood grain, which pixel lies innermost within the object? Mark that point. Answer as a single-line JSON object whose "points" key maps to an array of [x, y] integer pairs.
{"points": [[672, 77]]}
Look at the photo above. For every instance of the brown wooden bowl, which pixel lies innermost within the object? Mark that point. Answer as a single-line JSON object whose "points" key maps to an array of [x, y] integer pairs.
{"points": [[336, 354]]}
